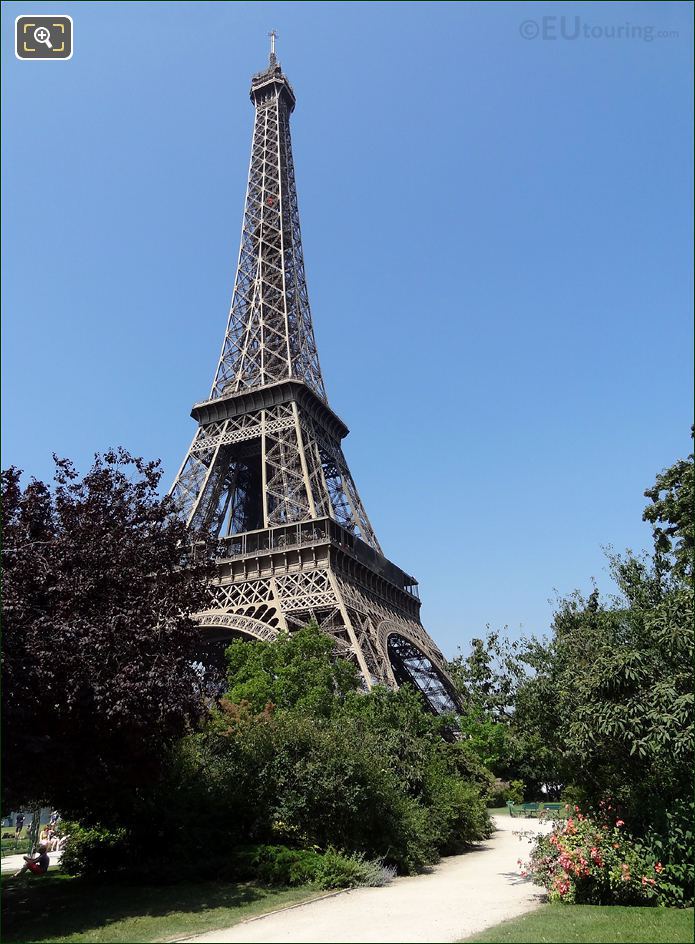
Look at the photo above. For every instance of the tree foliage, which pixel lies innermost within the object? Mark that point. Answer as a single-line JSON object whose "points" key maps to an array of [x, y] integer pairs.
{"points": [[620, 686], [605, 705], [295, 672], [297, 755], [671, 515], [99, 643]]}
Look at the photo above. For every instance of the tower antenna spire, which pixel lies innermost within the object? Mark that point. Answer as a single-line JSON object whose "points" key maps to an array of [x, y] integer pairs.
{"points": [[273, 36]]}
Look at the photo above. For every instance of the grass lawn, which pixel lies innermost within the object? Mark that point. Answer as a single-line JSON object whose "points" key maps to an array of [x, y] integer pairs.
{"points": [[594, 924], [60, 908], [13, 846]]}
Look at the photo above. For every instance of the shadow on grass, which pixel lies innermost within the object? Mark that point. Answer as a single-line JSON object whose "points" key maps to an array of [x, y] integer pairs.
{"points": [[57, 906]]}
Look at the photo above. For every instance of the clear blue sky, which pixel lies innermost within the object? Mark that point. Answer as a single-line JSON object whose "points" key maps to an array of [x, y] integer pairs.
{"points": [[498, 246]]}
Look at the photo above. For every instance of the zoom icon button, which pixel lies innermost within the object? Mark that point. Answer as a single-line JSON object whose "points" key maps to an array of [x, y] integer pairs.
{"points": [[43, 37]]}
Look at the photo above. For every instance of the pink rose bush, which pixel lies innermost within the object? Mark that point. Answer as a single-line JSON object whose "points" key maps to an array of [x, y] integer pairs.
{"points": [[588, 862]]}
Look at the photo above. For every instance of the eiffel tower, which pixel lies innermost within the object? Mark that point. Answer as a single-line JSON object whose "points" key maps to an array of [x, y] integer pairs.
{"points": [[265, 474]]}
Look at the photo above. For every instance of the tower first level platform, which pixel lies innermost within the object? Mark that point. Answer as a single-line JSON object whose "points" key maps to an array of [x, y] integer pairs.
{"points": [[282, 578]]}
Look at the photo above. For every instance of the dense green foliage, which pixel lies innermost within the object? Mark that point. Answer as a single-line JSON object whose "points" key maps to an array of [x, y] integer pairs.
{"points": [[307, 760], [95, 850], [103, 852], [280, 865], [98, 635], [294, 673], [604, 708], [671, 515]]}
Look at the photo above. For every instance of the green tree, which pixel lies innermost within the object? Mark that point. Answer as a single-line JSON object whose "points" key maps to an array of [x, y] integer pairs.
{"points": [[487, 678], [369, 772], [612, 692], [671, 515], [624, 698], [296, 672]]}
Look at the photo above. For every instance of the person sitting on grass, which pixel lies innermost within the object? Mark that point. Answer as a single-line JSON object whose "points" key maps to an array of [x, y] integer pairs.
{"points": [[38, 865]]}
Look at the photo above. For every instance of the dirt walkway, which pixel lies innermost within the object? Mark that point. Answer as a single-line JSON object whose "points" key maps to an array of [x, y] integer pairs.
{"points": [[461, 896], [11, 863]]}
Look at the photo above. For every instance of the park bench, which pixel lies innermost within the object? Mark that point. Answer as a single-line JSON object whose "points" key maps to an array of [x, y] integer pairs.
{"points": [[531, 809], [522, 809]]}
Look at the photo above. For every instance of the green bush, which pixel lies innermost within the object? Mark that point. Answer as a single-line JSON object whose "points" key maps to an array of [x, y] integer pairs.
{"points": [[279, 865], [341, 871], [502, 792], [515, 792], [574, 796], [94, 850], [495, 795], [672, 845], [368, 774], [457, 815]]}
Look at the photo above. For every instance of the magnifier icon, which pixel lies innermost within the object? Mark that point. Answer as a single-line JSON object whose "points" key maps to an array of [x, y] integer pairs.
{"points": [[43, 35]]}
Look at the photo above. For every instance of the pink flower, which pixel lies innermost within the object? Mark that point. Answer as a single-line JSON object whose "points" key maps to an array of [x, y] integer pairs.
{"points": [[563, 888], [620, 822], [658, 867]]}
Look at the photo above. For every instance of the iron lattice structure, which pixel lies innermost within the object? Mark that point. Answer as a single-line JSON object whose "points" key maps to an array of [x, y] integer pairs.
{"points": [[265, 474]]}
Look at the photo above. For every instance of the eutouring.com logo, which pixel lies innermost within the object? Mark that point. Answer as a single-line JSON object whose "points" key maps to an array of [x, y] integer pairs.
{"points": [[573, 28]]}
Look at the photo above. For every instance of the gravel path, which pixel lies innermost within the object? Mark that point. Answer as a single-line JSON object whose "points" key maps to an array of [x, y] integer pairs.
{"points": [[11, 863], [460, 896]]}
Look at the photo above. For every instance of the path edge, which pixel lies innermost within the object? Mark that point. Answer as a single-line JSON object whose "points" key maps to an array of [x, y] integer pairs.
{"points": [[260, 917]]}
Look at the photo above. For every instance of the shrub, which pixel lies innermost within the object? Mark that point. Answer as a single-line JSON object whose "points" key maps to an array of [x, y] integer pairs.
{"points": [[502, 792], [586, 861], [515, 792], [672, 846], [94, 850], [574, 795], [496, 793], [370, 775], [342, 871], [457, 815], [279, 865]]}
